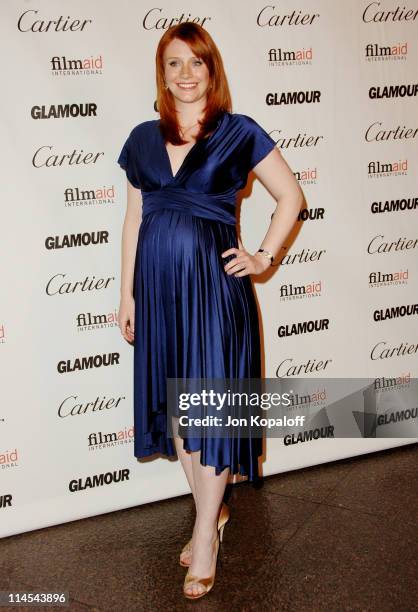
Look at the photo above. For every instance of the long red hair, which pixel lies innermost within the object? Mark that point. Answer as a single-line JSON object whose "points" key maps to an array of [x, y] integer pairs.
{"points": [[218, 95]]}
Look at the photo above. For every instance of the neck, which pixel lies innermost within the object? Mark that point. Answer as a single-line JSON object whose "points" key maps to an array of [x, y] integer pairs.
{"points": [[189, 114]]}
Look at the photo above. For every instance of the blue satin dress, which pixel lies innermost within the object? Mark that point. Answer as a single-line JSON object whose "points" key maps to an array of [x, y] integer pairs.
{"points": [[192, 319]]}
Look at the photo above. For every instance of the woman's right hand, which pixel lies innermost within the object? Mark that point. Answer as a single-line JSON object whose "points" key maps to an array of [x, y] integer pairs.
{"points": [[126, 318]]}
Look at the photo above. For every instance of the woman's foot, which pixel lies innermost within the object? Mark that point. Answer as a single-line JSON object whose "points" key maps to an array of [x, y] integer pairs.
{"points": [[203, 559], [186, 554]]}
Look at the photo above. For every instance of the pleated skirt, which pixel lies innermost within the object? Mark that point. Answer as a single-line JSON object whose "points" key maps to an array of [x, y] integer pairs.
{"points": [[192, 320]]}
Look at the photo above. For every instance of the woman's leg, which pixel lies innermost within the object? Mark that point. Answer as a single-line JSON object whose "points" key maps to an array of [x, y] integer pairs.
{"points": [[186, 462], [210, 490]]}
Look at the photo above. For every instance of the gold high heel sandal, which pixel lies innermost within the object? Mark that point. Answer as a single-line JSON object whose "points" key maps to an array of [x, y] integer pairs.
{"points": [[222, 520], [206, 582]]}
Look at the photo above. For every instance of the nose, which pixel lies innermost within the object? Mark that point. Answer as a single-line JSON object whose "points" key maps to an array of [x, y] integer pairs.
{"points": [[185, 72]]}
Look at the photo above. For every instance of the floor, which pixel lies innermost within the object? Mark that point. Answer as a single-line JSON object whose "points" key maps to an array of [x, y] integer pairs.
{"points": [[337, 537]]}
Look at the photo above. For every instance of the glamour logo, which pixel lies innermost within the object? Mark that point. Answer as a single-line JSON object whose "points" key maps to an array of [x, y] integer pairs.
{"points": [[88, 363], [70, 407], [9, 459], [378, 245], [64, 111], [268, 17], [395, 312], [373, 14], [308, 436], [88, 321], [55, 287], [6, 500], [299, 292], [382, 351], [397, 205], [153, 20], [295, 142], [293, 97], [98, 480], [108, 440], [397, 417], [394, 205], [380, 279], [288, 368], [304, 327], [294, 57], [63, 66], [307, 177], [304, 256], [393, 91], [74, 196], [77, 240], [379, 53], [28, 22], [311, 214], [378, 169], [374, 134], [76, 158]]}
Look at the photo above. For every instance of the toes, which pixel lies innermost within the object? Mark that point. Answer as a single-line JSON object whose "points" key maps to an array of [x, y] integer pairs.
{"points": [[194, 589]]}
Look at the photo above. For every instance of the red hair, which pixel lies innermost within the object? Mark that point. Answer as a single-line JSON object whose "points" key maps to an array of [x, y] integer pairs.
{"points": [[218, 96]]}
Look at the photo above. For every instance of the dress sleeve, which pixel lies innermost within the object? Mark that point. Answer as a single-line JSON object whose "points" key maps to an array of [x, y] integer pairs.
{"points": [[128, 162], [260, 143]]}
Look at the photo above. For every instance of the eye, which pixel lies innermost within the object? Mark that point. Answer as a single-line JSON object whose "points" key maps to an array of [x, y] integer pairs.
{"points": [[172, 63], [199, 62]]}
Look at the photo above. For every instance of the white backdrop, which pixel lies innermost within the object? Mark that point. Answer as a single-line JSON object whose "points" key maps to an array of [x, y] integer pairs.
{"points": [[59, 304]]}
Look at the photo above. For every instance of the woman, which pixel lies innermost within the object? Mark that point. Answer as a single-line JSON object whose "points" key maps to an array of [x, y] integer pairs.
{"points": [[188, 312]]}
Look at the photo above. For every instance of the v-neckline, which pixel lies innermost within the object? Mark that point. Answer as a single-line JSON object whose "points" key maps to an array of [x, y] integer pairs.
{"points": [[173, 177]]}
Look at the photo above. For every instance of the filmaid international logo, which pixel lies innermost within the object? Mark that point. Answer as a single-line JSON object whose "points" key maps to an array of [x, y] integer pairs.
{"points": [[89, 321], [99, 440], [9, 459], [280, 57], [375, 52], [379, 278], [75, 197], [64, 66], [307, 176], [290, 291], [379, 169]]}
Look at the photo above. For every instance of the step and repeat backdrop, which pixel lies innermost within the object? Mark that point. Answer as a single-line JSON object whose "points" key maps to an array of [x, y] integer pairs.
{"points": [[335, 84]]}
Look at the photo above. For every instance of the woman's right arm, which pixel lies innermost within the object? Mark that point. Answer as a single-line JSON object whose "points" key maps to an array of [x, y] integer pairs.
{"points": [[133, 218]]}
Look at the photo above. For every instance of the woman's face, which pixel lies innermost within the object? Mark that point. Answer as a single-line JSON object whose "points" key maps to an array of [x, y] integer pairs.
{"points": [[187, 76]]}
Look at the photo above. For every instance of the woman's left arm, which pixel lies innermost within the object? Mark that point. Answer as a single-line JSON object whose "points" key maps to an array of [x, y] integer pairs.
{"points": [[276, 176]]}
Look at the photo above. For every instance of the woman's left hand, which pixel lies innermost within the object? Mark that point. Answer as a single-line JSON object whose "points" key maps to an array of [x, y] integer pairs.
{"points": [[244, 263]]}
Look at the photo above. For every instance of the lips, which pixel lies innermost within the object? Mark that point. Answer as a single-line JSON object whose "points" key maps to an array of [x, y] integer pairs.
{"points": [[186, 85]]}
